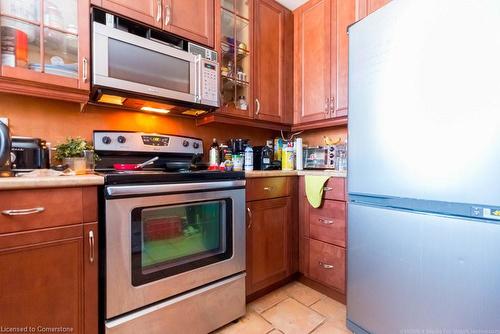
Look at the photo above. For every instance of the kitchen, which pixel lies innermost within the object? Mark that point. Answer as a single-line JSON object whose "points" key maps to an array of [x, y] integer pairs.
{"points": [[291, 227]]}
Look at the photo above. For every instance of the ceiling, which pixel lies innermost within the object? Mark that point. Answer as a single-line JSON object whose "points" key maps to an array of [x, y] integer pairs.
{"points": [[292, 4]]}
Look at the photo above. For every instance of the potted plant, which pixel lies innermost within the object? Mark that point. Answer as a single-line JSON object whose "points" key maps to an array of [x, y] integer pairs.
{"points": [[71, 153]]}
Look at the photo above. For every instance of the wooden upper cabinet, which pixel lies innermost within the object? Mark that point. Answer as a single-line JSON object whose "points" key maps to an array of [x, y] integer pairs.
{"points": [[312, 63], [45, 48], [366, 7], [192, 19], [321, 59], [270, 69], [268, 242], [344, 14], [145, 11]]}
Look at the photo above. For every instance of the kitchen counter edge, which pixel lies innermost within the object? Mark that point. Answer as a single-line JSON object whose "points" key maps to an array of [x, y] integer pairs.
{"points": [[277, 173], [12, 183]]}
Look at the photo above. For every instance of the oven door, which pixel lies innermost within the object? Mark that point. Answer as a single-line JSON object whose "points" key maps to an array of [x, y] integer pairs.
{"points": [[131, 63], [166, 239]]}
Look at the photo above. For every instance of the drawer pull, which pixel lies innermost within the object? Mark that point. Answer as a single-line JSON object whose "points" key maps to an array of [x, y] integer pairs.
{"points": [[325, 265], [268, 188], [22, 212], [92, 246], [325, 221], [327, 188]]}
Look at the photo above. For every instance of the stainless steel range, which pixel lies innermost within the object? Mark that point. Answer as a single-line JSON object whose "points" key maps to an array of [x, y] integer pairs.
{"points": [[174, 238]]}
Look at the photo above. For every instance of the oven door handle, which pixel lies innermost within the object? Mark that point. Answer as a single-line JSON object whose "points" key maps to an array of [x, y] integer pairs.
{"points": [[113, 191]]}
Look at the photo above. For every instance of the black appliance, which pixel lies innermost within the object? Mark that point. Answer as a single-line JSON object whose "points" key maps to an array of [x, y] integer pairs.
{"points": [[29, 153], [238, 145], [171, 237], [263, 159], [4, 150]]}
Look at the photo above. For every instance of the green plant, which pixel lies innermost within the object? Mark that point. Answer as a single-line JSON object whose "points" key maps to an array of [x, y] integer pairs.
{"points": [[72, 148]]}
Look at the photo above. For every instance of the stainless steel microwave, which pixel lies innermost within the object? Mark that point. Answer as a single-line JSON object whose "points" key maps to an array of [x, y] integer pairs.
{"points": [[132, 59]]}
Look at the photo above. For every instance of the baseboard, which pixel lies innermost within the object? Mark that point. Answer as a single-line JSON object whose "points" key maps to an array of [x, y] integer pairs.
{"points": [[262, 292], [330, 292]]}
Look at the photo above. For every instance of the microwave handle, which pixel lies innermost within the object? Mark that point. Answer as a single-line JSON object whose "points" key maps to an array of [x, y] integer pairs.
{"points": [[197, 78]]}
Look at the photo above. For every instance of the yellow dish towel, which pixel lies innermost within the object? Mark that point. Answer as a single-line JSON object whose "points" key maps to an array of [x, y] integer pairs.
{"points": [[314, 189]]}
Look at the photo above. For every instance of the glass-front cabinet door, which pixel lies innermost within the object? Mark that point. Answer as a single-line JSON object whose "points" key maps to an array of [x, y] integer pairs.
{"points": [[171, 239], [236, 51], [45, 41]]}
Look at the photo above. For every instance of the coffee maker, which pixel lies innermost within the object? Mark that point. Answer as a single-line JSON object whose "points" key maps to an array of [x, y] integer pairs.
{"points": [[4, 150]]}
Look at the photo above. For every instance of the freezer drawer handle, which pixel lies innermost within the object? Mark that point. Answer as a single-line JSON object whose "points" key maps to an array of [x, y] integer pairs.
{"points": [[325, 265], [327, 188], [23, 212], [325, 221]]}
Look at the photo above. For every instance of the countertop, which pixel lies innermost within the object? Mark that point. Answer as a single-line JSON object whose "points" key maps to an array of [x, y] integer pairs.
{"points": [[274, 173], [8, 183]]}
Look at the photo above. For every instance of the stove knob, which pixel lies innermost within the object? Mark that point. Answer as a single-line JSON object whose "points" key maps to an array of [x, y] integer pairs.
{"points": [[106, 140], [122, 139], [196, 145], [185, 143]]}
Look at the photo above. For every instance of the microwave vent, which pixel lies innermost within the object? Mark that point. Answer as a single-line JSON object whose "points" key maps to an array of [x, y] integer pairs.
{"points": [[203, 52]]}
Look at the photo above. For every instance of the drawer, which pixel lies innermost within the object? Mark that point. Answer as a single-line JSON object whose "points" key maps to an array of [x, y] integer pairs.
{"points": [[267, 187], [42, 208], [327, 264], [327, 223], [335, 189]]}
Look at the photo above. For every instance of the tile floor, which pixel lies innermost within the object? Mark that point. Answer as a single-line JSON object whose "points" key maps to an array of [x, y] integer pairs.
{"points": [[292, 309]]}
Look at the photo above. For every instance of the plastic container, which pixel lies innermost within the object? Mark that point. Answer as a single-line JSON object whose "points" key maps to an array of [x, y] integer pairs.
{"points": [[248, 158]]}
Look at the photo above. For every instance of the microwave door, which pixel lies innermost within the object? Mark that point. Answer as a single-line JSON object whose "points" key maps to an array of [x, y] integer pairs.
{"points": [[131, 63]]}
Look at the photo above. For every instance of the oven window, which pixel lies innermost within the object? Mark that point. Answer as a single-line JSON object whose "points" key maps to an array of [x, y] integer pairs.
{"points": [[135, 64], [168, 240]]}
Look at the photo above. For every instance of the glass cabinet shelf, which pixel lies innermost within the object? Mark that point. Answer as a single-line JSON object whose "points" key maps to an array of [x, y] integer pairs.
{"points": [[40, 36], [235, 50]]}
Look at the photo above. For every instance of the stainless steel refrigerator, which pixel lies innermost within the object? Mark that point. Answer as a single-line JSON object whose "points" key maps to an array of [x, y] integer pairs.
{"points": [[424, 169]]}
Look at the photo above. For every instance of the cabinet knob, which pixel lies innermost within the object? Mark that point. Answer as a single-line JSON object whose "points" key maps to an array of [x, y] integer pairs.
{"points": [[325, 265], [158, 10], [23, 212], [85, 69], [257, 110], [168, 15], [249, 218], [91, 247], [325, 221]]}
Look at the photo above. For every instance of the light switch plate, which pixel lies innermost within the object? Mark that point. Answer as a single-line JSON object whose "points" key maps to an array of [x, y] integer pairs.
{"points": [[4, 120]]}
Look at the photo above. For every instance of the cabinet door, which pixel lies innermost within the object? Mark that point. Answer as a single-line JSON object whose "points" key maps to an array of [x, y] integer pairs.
{"points": [[191, 19], [41, 279], [343, 15], [312, 61], [269, 61], [268, 234], [144, 11], [90, 269], [47, 46]]}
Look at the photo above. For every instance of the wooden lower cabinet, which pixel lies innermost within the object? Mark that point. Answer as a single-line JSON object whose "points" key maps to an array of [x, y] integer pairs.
{"points": [[272, 247], [48, 276], [268, 236], [322, 239], [327, 264]]}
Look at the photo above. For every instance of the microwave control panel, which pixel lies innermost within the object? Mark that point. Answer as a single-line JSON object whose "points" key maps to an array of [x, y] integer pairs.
{"points": [[209, 83]]}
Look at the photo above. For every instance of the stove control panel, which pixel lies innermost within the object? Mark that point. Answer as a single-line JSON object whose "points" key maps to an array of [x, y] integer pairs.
{"points": [[146, 142]]}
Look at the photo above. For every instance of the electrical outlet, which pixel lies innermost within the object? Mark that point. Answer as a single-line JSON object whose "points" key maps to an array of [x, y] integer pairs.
{"points": [[4, 120]]}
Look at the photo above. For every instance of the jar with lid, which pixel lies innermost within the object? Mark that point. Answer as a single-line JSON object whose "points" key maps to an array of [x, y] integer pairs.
{"points": [[242, 103]]}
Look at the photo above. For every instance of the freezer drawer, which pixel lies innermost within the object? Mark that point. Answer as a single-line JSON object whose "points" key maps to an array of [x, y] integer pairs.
{"points": [[413, 272]]}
